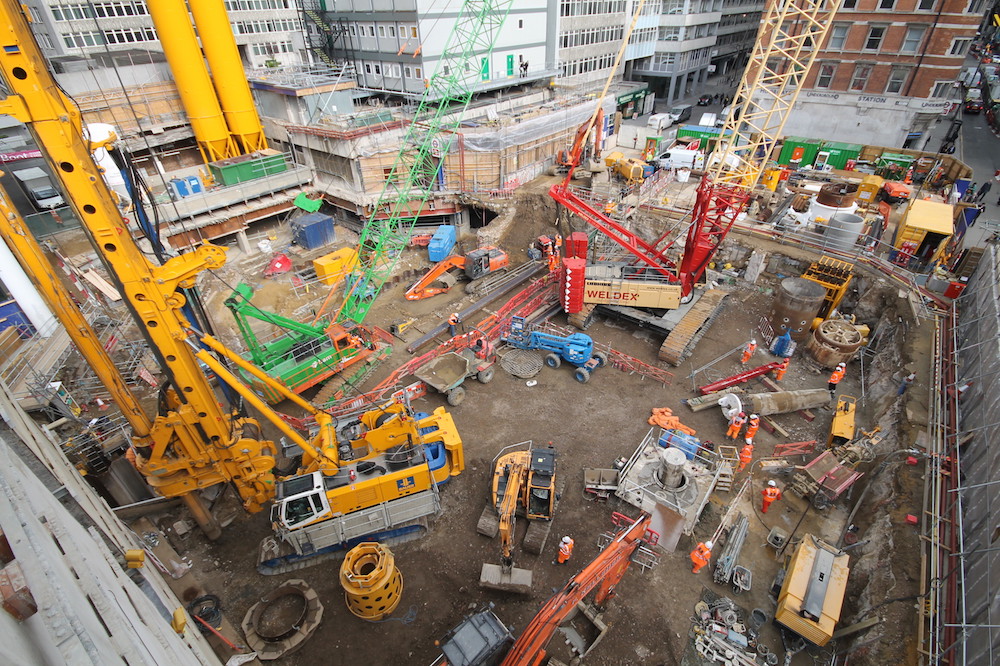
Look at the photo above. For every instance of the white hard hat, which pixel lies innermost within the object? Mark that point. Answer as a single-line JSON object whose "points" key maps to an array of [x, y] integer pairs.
{"points": [[754, 416], [566, 539], [841, 365], [772, 483], [753, 341], [708, 544]]}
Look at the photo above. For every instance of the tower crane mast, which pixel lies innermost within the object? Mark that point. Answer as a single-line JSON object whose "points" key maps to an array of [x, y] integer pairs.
{"points": [[414, 174]]}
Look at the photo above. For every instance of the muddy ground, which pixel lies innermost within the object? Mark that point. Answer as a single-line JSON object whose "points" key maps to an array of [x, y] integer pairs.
{"points": [[592, 425]]}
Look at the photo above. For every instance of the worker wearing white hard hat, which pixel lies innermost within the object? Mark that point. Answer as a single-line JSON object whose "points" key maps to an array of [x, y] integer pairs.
{"points": [[565, 550]]}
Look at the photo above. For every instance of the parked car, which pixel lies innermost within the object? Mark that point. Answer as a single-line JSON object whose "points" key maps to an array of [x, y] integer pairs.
{"points": [[704, 100]]}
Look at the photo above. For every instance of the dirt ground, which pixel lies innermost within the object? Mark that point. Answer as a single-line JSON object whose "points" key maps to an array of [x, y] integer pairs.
{"points": [[591, 426]]}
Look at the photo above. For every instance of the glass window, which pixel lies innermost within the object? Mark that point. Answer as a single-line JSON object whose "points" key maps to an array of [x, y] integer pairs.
{"points": [[960, 47], [825, 77], [886, 4], [897, 79], [860, 77], [838, 36], [943, 89], [849, 4], [925, 5], [392, 31], [301, 510], [381, 31], [874, 40], [914, 35], [413, 31]]}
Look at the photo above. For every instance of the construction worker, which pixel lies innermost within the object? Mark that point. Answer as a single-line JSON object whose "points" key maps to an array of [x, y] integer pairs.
{"points": [[565, 550], [838, 374], [771, 493], [609, 208], [700, 556], [752, 427], [748, 351], [905, 384], [735, 425], [780, 371], [453, 321], [746, 455], [559, 243]]}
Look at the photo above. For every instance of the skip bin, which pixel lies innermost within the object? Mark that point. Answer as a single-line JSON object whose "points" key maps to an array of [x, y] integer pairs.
{"points": [[313, 230]]}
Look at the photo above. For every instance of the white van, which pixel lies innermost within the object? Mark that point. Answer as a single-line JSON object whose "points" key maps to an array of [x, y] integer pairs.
{"points": [[659, 121], [680, 159]]}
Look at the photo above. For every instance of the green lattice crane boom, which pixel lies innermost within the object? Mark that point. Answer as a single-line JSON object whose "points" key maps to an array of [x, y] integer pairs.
{"points": [[414, 173]]}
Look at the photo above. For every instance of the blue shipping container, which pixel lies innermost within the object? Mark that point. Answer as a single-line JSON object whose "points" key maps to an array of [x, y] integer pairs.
{"points": [[313, 230], [442, 243]]}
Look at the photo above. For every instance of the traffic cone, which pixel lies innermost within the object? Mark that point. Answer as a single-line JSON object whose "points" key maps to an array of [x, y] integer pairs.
{"points": [[908, 180]]}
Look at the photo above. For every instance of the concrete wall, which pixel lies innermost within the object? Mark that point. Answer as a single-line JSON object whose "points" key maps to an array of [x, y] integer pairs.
{"points": [[979, 355]]}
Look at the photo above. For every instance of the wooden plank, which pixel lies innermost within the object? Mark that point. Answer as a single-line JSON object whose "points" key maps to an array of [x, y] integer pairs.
{"points": [[102, 285], [767, 421], [857, 626]]}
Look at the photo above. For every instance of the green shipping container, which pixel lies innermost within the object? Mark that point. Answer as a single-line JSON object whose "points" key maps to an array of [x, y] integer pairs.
{"points": [[248, 167], [810, 148], [707, 135], [840, 153]]}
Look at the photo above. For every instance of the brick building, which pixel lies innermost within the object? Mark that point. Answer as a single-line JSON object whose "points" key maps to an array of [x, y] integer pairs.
{"points": [[887, 71]]}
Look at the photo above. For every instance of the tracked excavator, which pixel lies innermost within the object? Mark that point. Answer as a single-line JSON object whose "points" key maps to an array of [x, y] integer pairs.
{"points": [[371, 476], [476, 264], [524, 484]]}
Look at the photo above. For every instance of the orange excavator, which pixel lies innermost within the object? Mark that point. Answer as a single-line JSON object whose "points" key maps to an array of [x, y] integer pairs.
{"points": [[476, 264], [603, 573]]}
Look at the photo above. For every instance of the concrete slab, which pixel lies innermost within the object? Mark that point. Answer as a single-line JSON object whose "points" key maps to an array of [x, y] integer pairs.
{"points": [[494, 578]]}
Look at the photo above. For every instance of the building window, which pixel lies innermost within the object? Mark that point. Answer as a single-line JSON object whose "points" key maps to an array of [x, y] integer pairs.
{"points": [[925, 5], [520, 24], [368, 68], [860, 78], [886, 4], [825, 78], [354, 30], [413, 31], [874, 40], [849, 4], [378, 69], [392, 31], [914, 35], [418, 73], [897, 78], [943, 89], [838, 36], [960, 47], [381, 31], [976, 7], [407, 72], [371, 31]]}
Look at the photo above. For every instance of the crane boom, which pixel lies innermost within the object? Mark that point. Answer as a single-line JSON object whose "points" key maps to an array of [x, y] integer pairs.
{"points": [[414, 174]]}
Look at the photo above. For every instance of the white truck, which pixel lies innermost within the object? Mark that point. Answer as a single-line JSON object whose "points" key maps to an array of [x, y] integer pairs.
{"points": [[38, 186]]}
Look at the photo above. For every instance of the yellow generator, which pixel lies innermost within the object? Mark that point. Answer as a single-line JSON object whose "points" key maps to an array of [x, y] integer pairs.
{"points": [[812, 594], [842, 428]]}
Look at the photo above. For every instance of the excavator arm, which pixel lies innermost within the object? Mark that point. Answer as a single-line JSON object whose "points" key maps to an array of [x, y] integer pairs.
{"points": [[507, 510], [422, 288], [602, 574]]}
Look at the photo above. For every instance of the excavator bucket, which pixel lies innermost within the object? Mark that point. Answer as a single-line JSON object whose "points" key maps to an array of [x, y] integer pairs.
{"points": [[493, 577]]}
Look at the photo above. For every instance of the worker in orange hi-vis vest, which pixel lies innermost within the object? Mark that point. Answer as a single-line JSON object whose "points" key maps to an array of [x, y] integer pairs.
{"points": [[837, 375], [746, 455], [752, 427], [771, 494], [735, 425], [565, 550], [700, 556], [748, 351], [779, 372]]}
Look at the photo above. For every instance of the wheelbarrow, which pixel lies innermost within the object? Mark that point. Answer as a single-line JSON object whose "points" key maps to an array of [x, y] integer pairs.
{"points": [[742, 578], [446, 373]]}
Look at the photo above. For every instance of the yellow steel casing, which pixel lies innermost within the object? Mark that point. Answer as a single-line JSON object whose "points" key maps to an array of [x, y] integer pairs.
{"points": [[180, 46], [372, 584], [795, 587], [230, 81]]}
